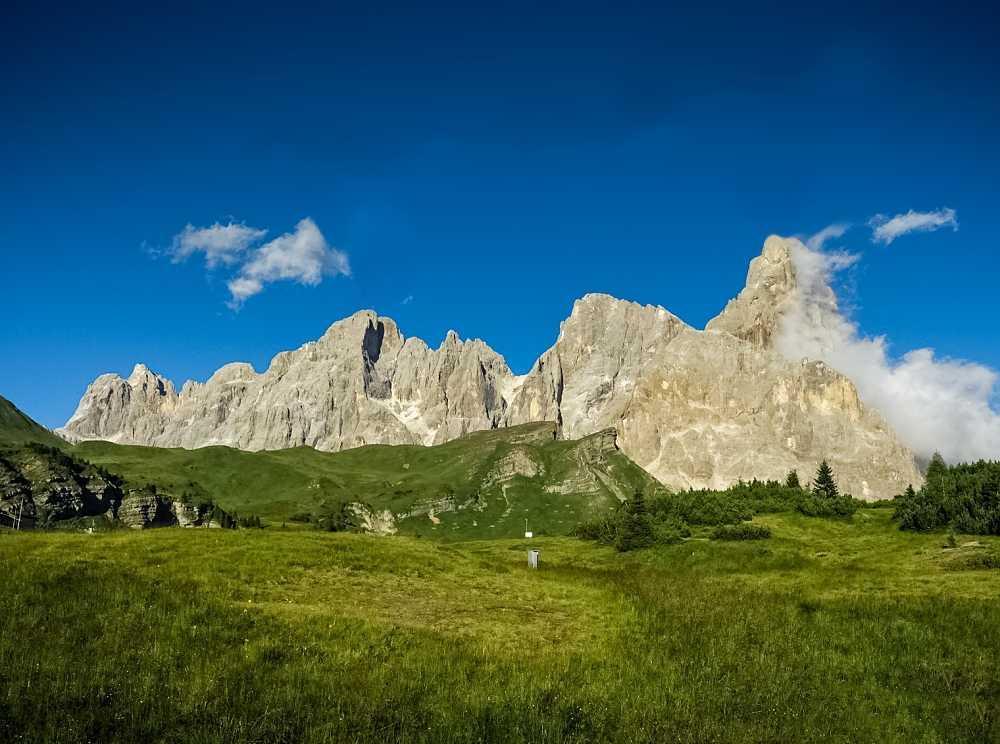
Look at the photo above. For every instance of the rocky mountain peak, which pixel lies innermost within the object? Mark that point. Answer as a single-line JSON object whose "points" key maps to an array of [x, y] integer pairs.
{"points": [[695, 408], [755, 314], [144, 378], [451, 340]]}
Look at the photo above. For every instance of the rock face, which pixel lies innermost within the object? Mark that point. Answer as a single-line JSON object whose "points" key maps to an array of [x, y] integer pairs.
{"points": [[695, 408], [361, 383], [41, 486], [142, 508], [755, 314]]}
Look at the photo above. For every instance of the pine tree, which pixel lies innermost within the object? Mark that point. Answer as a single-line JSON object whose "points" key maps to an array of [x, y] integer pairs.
{"points": [[936, 467], [638, 503], [909, 493], [825, 485], [792, 481]]}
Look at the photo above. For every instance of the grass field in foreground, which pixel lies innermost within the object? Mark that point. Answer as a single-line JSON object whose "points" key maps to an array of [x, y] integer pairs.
{"points": [[830, 631]]}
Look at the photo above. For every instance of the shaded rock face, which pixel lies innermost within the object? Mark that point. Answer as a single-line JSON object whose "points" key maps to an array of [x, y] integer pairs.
{"points": [[16, 504], [142, 508], [43, 486], [695, 408]]}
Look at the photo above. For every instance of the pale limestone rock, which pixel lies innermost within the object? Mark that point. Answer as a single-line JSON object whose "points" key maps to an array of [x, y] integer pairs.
{"points": [[755, 313], [520, 461], [374, 521], [588, 375], [361, 383], [695, 408]]}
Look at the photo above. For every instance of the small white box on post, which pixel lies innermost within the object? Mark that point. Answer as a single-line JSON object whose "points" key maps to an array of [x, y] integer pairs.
{"points": [[533, 559]]}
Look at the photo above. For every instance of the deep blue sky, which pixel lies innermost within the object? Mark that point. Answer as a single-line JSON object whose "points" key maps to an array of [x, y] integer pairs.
{"points": [[494, 164]]}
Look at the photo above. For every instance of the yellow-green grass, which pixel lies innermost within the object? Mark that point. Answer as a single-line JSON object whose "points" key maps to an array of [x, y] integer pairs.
{"points": [[830, 631]]}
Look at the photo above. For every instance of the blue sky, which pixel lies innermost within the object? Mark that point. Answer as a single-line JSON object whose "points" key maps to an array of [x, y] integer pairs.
{"points": [[491, 164]]}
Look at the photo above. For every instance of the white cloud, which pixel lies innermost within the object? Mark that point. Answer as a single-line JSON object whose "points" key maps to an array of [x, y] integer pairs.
{"points": [[830, 232], [241, 288], [887, 229], [302, 256], [933, 404], [221, 244], [407, 300]]}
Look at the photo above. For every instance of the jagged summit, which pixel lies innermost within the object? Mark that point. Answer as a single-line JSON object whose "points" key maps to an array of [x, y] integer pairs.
{"points": [[695, 408], [754, 314]]}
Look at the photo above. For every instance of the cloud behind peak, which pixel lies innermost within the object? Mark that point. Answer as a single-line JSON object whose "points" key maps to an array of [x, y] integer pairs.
{"points": [[933, 403]]}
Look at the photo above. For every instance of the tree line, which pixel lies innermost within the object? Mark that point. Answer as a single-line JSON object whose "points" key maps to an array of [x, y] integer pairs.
{"points": [[964, 497], [665, 518]]}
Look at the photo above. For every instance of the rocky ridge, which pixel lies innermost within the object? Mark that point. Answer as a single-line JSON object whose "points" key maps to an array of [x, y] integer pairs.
{"points": [[41, 486], [694, 408]]}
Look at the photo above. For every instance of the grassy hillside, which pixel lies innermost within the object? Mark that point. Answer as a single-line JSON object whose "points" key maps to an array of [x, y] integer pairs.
{"points": [[483, 484], [831, 631], [17, 429]]}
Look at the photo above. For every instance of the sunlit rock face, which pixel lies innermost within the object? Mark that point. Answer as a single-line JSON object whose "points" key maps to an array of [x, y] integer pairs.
{"points": [[695, 408]]}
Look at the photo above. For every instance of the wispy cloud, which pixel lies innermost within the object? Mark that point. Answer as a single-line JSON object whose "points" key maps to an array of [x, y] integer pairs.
{"points": [[301, 256], [407, 300], [887, 229], [221, 244], [933, 404], [830, 232]]}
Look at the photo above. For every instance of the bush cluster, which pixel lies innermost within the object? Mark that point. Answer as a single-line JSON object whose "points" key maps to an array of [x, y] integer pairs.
{"points": [[823, 506], [742, 531], [964, 497], [668, 517], [332, 516], [634, 526]]}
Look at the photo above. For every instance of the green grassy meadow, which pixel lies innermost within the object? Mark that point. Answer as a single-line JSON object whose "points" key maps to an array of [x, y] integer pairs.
{"points": [[830, 631], [279, 484]]}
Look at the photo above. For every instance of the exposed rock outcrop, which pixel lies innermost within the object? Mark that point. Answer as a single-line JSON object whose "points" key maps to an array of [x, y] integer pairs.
{"points": [[41, 486], [519, 460], [754, 315], [695, 408], [373, 521]]}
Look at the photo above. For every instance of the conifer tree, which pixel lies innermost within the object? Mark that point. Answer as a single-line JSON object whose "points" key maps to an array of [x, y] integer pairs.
{"points": [[792, 481], [825, 485], [936, 467], [638, 504]]}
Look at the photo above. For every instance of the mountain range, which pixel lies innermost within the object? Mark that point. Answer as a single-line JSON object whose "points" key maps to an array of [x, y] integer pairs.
{"points": [[695, 408]]}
